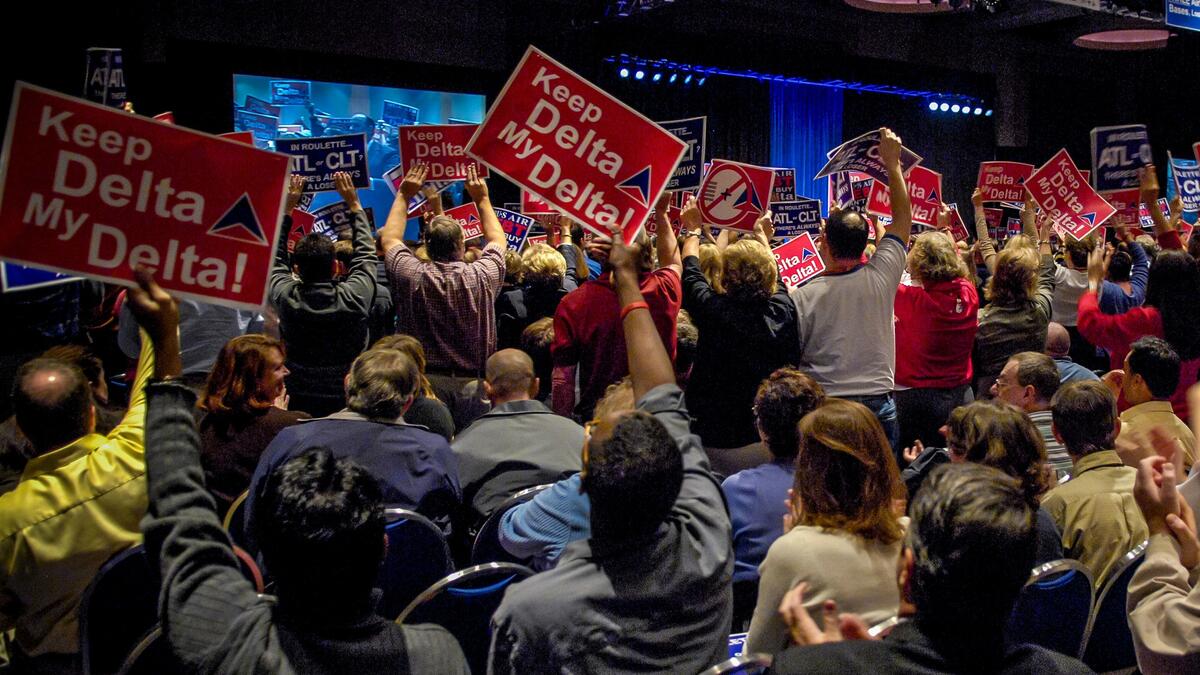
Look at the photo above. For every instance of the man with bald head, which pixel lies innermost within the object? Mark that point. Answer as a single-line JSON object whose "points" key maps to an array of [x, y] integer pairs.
{"points": [[1058, 347], [519, 443]]}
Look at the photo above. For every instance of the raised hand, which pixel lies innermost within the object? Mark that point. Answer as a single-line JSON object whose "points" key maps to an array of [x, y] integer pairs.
{"points": [[1097, 267], [1148, 187], [912, 453], [977, 198], [476, 186], [344, 185], [663, 203], [158, 313], [889, 147], [414, 178], [690, 216], [943, 217], [764, 228], [295, 190]]}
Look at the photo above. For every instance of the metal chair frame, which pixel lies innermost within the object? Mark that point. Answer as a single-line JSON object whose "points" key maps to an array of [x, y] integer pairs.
{"points": [[1134, 556]]}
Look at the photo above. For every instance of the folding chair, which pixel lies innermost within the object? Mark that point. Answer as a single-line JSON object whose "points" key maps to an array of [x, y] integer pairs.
{"points": [[487, 546], [417, 557], [117, 609], [463, 603], [151, 656], [747, 664], [235, 520], [1053, 608], [1108, 643]]}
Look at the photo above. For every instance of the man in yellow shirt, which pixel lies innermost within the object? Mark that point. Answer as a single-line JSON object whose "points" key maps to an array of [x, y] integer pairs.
{"points": [[79, 501], [1151, 375]]}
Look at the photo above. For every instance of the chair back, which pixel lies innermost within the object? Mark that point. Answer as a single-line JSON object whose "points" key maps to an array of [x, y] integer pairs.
{"points": [[151, 656], [750, 664], [487, 546], [1052, 609], [417, 557], [463, 603], [1108, 643], [235, 520], [117, 609]]}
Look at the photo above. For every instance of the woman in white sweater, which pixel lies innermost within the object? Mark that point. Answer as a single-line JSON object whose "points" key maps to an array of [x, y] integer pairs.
{"points": [[846, 534]]}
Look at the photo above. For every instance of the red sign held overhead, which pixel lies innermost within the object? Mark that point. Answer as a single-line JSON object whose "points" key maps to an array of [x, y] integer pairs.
{"points": [[168, 117], [532, 206], [1062, 191], [734, 195], [244, 137], [958, 229], [302, 226], [468, 218], [993, 217], [441, 147], [798, 260], [1003, 181], [924, 192], [576, 147], [1127, 204], [95, 191]]}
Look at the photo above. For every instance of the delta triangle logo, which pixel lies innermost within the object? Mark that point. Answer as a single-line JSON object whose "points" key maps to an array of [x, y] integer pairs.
{"points": [[637, 186], [748, 200], [1090, 217], [806, 254], [933, 196], [240, 224]]}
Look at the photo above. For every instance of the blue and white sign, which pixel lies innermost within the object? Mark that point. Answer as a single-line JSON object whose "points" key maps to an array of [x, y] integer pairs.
{"points": [[105, 82], [689, 171], [15, 277], [792, 218], [1117, 154], [1183, 14], [319, 158], [516, 227], [399, 114], [1185, 181], [862, 154], [335, 217], [264, 127], [290, 92]]}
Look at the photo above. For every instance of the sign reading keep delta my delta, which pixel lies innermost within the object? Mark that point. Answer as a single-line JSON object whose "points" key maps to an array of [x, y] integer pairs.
{"points": [[798, 260], [1061, 190], [576, 147], [440, 147], [95, 191], [467, 216], [319, 158], [1003, 181], [924, 193]]}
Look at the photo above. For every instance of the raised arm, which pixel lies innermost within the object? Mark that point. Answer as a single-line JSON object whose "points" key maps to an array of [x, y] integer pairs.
{"points": [[889, 152], [668, 248], [478, 189], [433, 197], [566, 248], [649, 365], [281, 271], [1029, 218], [359, 286], [692, 226], [987, 248], [392, 234]]}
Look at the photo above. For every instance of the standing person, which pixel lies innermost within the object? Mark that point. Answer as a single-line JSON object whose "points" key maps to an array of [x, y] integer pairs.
{"points": [[747, 331], [446, 303], [845, 316], [323, 321], [548, 274], [1058, 347], [1128, 273], [1070, 283]]}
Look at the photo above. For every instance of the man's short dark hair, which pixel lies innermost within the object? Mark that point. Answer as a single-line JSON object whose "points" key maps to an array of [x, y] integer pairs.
{"points": [[1085, 416], [52, 401], [1120, 265], [313, 256], [321, 529], [381, 383], [1157, 363], [847, 233], [633, 477], [443, 238], [1040, 371], [81, 356], [784, 397], [972, 539]]}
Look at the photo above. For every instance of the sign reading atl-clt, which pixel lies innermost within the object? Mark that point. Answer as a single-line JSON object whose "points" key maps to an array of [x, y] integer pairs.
{"points": [[576, 147]]}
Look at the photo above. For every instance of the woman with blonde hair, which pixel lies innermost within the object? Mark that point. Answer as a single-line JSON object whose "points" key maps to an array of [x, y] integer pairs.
{"points": [[547, 274], [426, 410], [845, 534]]}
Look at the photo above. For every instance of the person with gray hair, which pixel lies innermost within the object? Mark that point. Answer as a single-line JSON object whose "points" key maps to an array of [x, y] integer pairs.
{"points": [[415, 467], [1058, 347]]}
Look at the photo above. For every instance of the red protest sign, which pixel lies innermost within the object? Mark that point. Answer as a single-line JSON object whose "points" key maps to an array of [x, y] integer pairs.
{"points": [[958, 229], [95, 191], [734, 195], [244, 137], [924, 192], [1196, 151], [1062, 191], [440, 147], [993, 217], [168, 117], [1003, 181], [532, 206], [468, 218], [674, 217], [1185, 232], [302, 226], [798, 260], [576, 147], [1127, 203]]}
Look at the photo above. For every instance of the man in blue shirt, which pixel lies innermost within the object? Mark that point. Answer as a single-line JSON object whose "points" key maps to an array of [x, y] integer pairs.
{"points": [[1058, 347]]}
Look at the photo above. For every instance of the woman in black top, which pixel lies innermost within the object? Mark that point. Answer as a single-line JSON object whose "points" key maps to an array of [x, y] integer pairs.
{"points": [[426, 410]]}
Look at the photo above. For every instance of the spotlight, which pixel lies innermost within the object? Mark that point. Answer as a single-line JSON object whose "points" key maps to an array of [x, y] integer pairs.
{"points": [[687, 79], [987, 114], [639, 75], [944, 107], [656, 77], [700, 82], [978, 111], [933, 106], [672, 78], [966, 110], [954, 108], [624, 72]]}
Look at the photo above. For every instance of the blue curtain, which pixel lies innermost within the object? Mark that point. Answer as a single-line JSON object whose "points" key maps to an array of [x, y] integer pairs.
{"points": [[806, 122]]}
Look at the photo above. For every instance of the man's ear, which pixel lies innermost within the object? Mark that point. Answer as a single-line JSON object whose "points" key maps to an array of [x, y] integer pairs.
{"points": [[534, 387], [91, 425], [487, 390], [1058, 436]]}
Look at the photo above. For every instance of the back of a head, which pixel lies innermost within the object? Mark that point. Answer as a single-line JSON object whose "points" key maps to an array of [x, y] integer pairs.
{"points": [[1174, 290], [343, 251], [1078, 249], [1015, 278], [711, 265], [1000, 436], [313, 256], [1085, 414], [543, 266], [632, 477], [1120, 265], [235, 382], [320, 525], [509, 372], [644, 249], [934, 257], [1039, 371], [537, 338], [749, 270], [52, 401], [443, 239], [1058, 340], [687, 339], [972, 539], [514, 269], [1153, 359], [404, 343], [782, 400], [381, 384], [846, 474], [846, 234], [618, 398], [80, 356]]}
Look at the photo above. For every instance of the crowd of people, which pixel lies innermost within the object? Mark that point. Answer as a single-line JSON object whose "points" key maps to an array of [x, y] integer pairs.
{"points": [[899, 440]]}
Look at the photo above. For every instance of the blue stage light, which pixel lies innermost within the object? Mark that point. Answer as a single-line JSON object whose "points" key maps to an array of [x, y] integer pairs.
{"points": [[624, 72], [978, 111], [672, 78], [933, 106], [954, 108], [987, 114], [944, 107], [639, 75], [687, 79]]}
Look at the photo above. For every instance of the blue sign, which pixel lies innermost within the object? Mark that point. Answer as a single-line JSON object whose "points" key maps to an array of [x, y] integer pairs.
{"points": [[319, 158], [862, 154], [1117, 154], [289, 92], [399, 114], [264, 127], [1185, 182], [516, 227], [14, 277], [334, 218], [105, 83], [792, 218], [688, 172], [1183, 14]]}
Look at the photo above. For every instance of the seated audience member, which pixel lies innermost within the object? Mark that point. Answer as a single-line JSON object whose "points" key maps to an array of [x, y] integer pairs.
{"points": [[936, 319], [203, 329], [79, 501], [1171, 310], [415, 467], [746, 332], [1018, 308], [323, 320], [1151, 375], [448, 303], [426, 410], [1070, 283], [1164, 598], [846, 315], [1094, 510], [758, 497], [1029, 381], [1000, 436], [649, 591], [245, 405], [520, 443], [535, 341], [547, 275], [321, 526], [540, 529], [1058, 347], [588, 344], [1125, 285], [845, 535], [966, 556]]}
